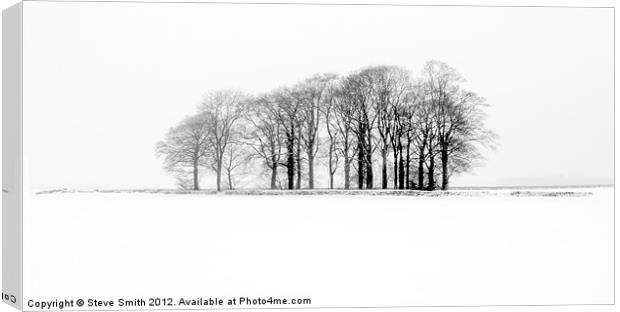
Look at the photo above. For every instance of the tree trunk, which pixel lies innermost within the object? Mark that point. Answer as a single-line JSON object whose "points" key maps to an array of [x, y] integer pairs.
{"points": [[290, 159], [401, 167], [230, 184], [310, 170], [347, 172], [290, 172], [384, 179], [219, 177], [431, 171], [331, 165], [408, 166], [395, 152], [421, 170], [274, 174], [369, 176], [310, 148], [360, 165], [298, 163], [195, 173], [444, 169], [369, 172]]}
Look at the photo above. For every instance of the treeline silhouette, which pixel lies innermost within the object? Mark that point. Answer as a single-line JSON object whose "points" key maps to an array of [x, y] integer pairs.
{"points": [[377, 124]]}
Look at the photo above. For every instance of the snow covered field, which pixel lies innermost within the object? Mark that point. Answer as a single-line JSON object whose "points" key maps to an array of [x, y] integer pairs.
{"points": [[339, 250], [513, 191]]}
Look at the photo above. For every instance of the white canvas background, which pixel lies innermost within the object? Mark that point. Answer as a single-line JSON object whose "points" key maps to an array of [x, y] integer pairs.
{"points": [[578, 257]]}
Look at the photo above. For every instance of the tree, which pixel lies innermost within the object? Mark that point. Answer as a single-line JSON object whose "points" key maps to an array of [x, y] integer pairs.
{"points": [[265, 135], [409, 129], [344, 110], [460, 134], [221, 111], [329, 111], [288, 104], [357, 89], [312, 94], [389, 86], [431, 144], [458, 115], [185, 148], [422, 137], [235, 159]]}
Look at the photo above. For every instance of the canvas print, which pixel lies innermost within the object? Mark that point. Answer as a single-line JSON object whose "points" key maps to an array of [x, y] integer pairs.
{"points": [[338, 155]]}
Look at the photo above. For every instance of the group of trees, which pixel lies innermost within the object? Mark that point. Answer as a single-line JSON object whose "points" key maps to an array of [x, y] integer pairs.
{"points": [[417, 131]]}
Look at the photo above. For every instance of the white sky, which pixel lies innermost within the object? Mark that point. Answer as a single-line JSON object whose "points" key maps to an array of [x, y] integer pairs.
{"points": [[104, 81]]}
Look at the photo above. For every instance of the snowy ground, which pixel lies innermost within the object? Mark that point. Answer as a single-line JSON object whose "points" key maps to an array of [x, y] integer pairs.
{"points": [[480, 191], [472, 247]]}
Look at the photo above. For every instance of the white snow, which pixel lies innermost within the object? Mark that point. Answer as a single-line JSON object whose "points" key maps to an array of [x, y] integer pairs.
{"points": [[338, 250]]}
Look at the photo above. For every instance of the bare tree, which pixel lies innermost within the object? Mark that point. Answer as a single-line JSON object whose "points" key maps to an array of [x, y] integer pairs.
{"points": [[235, 159], [185, 148], [442, 82], [356, 88], [313, 93], [431, 144], [344, 113], [409, 129], [329, 111], [460, 132], [458, 115], [288, 104], [221, 111], [389, 86], [265, 134], [423, 134]]}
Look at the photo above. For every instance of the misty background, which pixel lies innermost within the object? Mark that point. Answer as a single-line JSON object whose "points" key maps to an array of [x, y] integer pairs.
{"points": [[103, 82]]}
